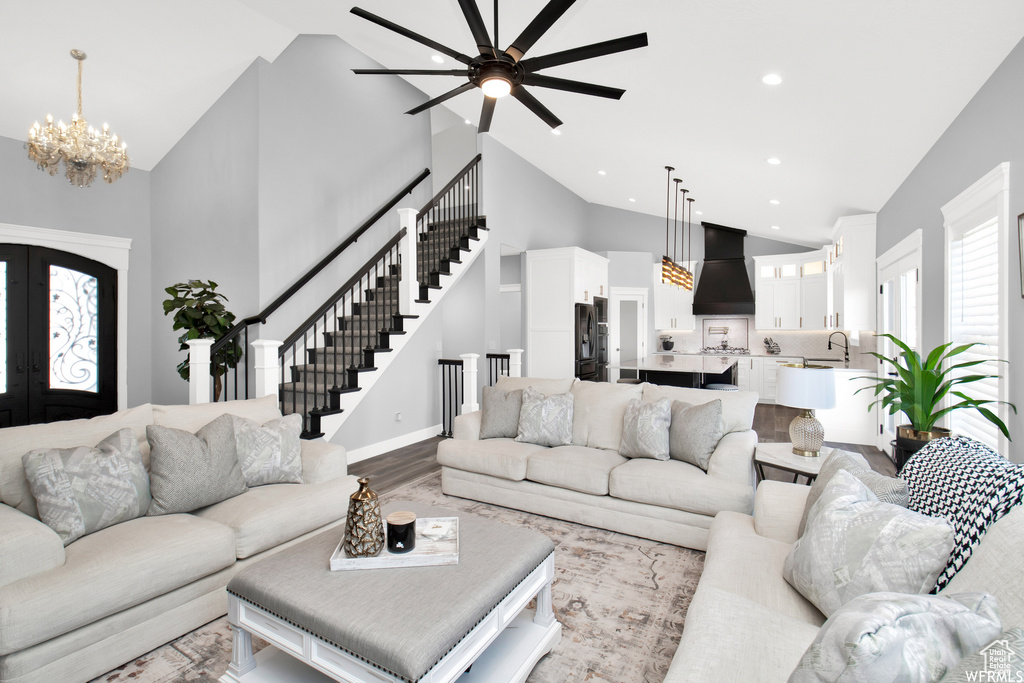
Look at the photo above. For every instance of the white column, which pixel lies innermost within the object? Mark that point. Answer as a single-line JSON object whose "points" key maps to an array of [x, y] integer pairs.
{"points": [[267, 367], [469, 373], [408, 287], [515, 362], [199, 371]]}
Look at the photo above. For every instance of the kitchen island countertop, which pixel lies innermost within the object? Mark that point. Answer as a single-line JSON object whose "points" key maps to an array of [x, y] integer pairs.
{"points": [[678, 362]]}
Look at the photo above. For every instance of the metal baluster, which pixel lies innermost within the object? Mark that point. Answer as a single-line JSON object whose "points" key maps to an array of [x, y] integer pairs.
{"points": [[334, 348]]}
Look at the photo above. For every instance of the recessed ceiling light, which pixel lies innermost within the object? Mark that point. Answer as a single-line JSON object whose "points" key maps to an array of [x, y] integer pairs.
{"points": [[437, 58], [771, 79], [632, 200], [468, 122], [699, 213], [774, 161], [555, 131], [775, 227], [773, 201], [601, 173]]}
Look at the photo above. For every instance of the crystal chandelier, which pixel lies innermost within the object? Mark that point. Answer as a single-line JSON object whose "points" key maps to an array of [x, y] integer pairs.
{"points": [[81, 147], [672, 273]]}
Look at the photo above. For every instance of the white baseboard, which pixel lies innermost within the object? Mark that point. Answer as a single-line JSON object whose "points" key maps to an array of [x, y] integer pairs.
{"points": [[382, 447]]}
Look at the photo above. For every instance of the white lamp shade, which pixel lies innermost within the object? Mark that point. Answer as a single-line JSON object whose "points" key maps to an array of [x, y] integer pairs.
{"points": [[810, 388]]}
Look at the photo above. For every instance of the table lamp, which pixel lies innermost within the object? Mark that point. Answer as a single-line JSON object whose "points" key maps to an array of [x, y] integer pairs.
{"points": [[809, 388]]}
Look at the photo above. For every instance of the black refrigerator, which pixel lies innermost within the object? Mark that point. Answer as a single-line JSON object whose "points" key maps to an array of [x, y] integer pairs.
{"points": [[586, 342]]}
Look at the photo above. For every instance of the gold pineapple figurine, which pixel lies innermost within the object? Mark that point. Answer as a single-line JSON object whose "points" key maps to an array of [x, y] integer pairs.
{"points": [[364, 530]]}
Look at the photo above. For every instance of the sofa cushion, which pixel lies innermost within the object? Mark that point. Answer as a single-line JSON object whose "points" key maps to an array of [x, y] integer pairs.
{"points": [[574, 467], [888, 489], [191, 417], [27, 546], [499, 413], [267, 516], [81, 490], [17, 441], [545, 420], [269, 453], [695, 431], [737, 406], [645, 429], [598, 411], [109, 571], [502, 458], [544, 386], [679, 485]]}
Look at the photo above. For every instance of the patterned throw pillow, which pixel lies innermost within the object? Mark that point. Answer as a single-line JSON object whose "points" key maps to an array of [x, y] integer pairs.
{"points": [[855, 544], [1000, 660], [695, 431], [499, 413], [190, 471], [888, 489], [889, 637], [269, 453], [966, 483], [645, 429], [85, 489], [545, 420]]}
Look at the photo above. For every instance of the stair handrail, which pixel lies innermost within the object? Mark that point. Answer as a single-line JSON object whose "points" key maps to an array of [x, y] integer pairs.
{"points": [[262, 316], [452, 183]]}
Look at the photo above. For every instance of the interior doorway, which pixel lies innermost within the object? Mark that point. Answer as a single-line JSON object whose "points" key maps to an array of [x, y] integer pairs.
{"points": [[627, 324]]}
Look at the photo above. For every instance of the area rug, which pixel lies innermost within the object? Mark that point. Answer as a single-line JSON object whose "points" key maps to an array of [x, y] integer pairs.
{"points": [[621, 601]]}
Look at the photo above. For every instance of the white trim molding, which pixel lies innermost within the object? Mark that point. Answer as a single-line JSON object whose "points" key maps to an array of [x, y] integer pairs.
{"points": [[397, 442], [110, 251]]}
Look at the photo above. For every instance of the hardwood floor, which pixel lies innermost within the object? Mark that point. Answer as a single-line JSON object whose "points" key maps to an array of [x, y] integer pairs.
{"points": [[391, 470]]}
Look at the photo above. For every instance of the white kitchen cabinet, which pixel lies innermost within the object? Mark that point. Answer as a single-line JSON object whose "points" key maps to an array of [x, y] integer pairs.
{"points": [[852, 274], [673, 306], [814, 301], [749, 370], [770, 376], [590, 276], [777, 304]]}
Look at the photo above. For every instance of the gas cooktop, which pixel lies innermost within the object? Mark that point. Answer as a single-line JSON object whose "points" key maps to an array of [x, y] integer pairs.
{"points": [[724, 351]]}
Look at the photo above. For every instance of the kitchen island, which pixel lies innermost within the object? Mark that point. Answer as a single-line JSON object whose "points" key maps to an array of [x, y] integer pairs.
{"points": [[682, 370]]}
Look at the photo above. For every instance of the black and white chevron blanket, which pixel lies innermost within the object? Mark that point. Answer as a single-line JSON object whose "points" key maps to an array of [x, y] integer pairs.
{"points": [[969, 485]]}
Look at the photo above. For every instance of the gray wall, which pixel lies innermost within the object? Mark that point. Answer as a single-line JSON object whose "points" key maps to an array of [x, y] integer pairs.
{"points": [[987, 132], [32, 198]]}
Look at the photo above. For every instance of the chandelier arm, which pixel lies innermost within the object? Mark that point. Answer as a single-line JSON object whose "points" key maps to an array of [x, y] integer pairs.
{"points": [[80, 87]]}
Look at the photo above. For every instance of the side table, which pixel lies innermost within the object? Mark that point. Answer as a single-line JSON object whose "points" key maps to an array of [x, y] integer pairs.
{"points": [[780, 456]]}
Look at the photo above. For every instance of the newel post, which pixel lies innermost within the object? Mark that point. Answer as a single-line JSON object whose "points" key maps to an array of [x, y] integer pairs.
{"points": [[199, 370], [515, 362], [469, 373], [408, 287], [267, 367]]}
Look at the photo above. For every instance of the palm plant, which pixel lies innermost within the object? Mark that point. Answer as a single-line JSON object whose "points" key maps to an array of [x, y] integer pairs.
{"points": [[920, 386]]}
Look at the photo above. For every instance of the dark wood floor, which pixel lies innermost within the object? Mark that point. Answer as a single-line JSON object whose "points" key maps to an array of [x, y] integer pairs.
{"points": [[391, 470]]}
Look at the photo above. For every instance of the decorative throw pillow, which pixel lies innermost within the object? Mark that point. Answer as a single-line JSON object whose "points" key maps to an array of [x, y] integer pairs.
{"points": [[545, 420], [888, 489], [1000, 660], [499, 413], [890, 637], [645, 429], [269, 453], [695, 431], [190, 471], [969, 485], [855, 544], [85, 489]]}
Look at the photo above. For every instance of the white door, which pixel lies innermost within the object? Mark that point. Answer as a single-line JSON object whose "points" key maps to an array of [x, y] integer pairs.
{"points": [[899, 314], [627, 326]]}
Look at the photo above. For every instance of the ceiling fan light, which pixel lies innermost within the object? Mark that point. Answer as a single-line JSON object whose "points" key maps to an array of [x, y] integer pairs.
{"points": [[495, 86]]}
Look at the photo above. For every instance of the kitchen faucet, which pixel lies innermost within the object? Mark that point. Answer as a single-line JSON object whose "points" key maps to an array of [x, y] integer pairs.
{"points": [[846, 345]]}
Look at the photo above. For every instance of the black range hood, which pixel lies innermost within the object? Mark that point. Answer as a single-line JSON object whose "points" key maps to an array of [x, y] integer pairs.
{"points": [[723, 287]]}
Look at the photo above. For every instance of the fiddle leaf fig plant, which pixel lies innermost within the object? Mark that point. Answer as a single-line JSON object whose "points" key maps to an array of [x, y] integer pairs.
{"points": [[919, 386], [199, 310]]}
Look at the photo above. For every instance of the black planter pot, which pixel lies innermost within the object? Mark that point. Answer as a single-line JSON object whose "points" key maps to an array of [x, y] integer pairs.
{"points": [[910, 441]]}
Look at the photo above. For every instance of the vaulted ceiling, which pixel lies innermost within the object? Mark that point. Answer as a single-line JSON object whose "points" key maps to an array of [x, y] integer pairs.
{"points": [[867, 87]]}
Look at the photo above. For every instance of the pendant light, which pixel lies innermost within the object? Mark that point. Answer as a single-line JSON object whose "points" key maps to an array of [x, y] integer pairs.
{"points": [[685, 274], [667, 264]]}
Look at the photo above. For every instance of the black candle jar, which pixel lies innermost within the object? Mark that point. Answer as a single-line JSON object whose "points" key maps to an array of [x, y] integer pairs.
{"points": [[401, 532]]}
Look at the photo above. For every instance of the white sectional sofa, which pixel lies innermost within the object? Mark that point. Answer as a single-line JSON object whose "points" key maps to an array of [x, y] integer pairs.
{"points": [[590, 483], [72, 613]]}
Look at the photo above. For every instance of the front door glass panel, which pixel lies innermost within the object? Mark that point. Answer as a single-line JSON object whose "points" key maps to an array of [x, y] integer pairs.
{"points": [[74, 321]]}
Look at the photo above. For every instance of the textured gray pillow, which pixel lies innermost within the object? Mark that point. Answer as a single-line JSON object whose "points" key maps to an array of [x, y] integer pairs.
{"points": [[1003, 659], [545, 420], [645, 429], [499, 413], [856, 544], [888, 489], [85, 489], [889, 637], [269, 453], [190, 471], [695, 431]]}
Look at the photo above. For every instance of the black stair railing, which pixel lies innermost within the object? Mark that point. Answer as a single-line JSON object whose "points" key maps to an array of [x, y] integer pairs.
{"points": [[452, 393], [497, 366], [446, 224]]}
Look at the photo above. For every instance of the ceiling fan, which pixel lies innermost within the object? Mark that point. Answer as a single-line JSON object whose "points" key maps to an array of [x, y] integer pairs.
{"points": [[499, 73]]}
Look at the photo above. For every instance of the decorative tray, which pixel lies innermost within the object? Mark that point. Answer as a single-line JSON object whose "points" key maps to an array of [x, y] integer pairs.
{"points": [[437, 543]]}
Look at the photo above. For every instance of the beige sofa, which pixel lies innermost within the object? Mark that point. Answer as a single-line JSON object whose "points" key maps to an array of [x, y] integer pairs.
{"points": [[590, 483], [70, 614], [746, 623]]}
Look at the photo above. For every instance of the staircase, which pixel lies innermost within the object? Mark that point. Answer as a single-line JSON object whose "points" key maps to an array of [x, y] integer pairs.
{"points": [[336, 356]]}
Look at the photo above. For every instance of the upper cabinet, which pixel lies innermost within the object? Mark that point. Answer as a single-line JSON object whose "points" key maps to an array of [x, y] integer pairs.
{"points": [[673, 306], [852, 274], [590, 273]]}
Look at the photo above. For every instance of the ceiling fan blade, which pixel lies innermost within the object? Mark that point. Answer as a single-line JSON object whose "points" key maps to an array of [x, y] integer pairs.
{"points": [[476, 26], [486, 114], [534, 105], [573, 86], [608, 47], [392, 26], [441, 98], [538, 27], [414, 72]]}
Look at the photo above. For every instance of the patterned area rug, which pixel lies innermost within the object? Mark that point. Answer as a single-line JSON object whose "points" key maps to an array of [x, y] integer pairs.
{"points": [[621, 601]]}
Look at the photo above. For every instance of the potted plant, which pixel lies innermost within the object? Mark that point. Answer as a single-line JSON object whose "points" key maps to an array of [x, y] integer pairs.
{"points": [[918, 387], [200, 311]]}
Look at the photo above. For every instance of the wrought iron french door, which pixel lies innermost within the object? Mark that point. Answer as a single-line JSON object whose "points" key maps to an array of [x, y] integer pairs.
{"points": [[58, 336]]}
